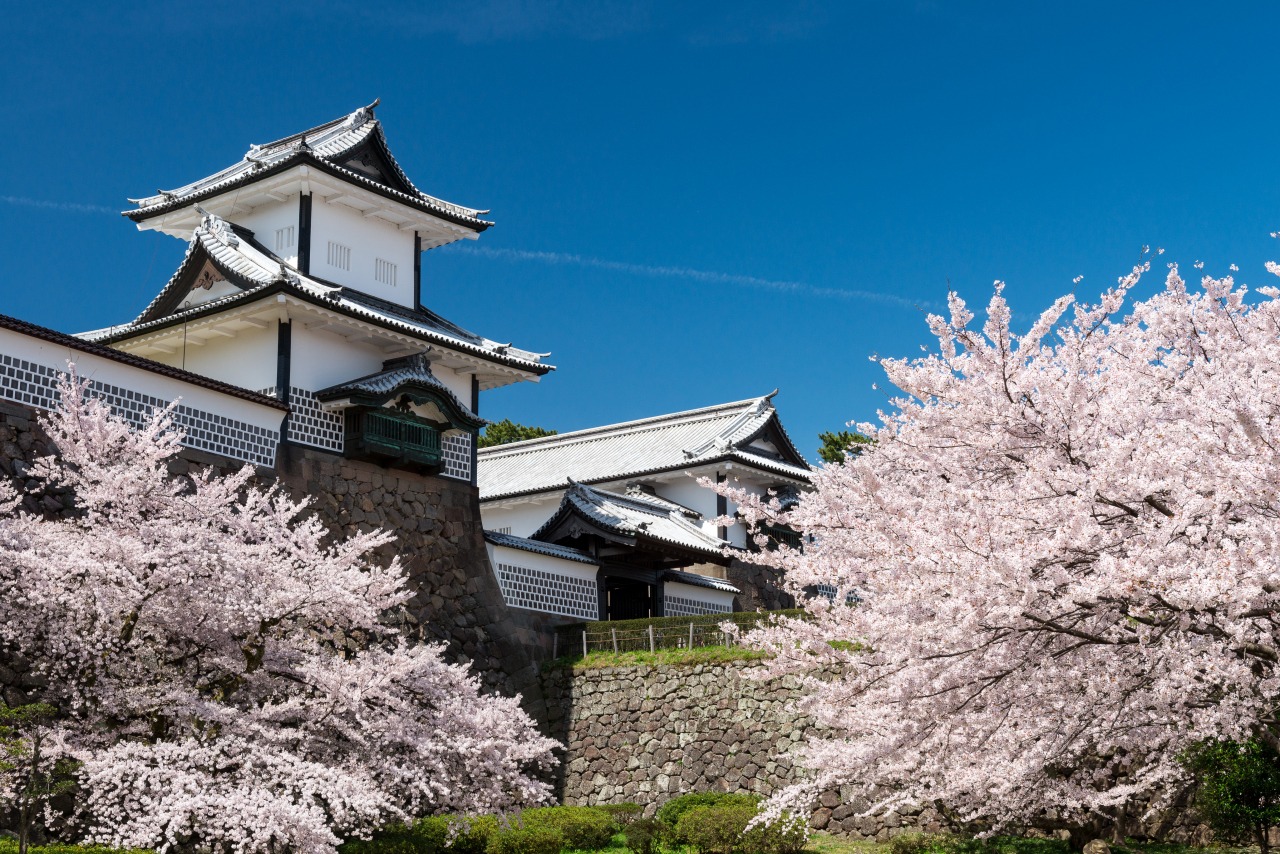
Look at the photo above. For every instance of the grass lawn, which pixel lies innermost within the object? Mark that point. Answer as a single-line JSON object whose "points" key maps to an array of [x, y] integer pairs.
{"points": [[681, 657]]}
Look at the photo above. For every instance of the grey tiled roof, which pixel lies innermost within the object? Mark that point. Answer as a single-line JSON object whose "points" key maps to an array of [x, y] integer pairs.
{"points": [[635, 516], [699, 581], [618, 451], [241, 258], [539, 547], [325, 144], [395, 374]]}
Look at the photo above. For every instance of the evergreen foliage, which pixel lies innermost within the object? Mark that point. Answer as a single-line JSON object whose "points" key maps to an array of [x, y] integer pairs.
{"points": [[1238, 792], [506, 431], [837, 447]]}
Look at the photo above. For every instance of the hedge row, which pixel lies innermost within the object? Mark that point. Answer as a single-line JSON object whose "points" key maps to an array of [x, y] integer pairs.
{"points": [[710, 823]]}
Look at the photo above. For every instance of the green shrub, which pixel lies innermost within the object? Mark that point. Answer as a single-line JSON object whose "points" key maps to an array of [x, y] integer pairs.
{"points": [[715, 829], [939, 843], [723, 828], [918, 843], [584, 828], [623, 814], [645, 835], [470, 835], [426, 836], [1238, 791], [670, 812], [392, 839], [529, 839]]}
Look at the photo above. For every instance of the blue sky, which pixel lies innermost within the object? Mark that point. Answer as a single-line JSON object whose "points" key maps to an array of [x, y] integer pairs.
{"points": [[694, 202]]}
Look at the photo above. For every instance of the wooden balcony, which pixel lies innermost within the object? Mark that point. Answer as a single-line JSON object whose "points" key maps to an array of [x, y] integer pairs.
{"points": [[394, 438]]}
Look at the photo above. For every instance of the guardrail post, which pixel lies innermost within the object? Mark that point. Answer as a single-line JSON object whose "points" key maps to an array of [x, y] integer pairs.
{"points": [[691, 636], [652, 647], [555, 645], [614, 632], [584, 643]]}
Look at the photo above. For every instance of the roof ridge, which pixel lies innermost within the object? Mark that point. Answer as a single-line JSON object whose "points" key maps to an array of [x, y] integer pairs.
{"points": [[511, 448], [658, 509], [367, 110]]}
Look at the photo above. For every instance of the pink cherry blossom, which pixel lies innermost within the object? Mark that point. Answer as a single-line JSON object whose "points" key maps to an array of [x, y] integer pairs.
{"points": [[227, 670], [1060, 559]]}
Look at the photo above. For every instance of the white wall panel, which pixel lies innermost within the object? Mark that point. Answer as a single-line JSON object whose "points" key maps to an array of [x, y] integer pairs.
{"points": [[266, 220], [369, 238]]}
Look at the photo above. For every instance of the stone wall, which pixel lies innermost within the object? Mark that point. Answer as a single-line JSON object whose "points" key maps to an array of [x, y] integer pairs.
{"points": [[760, 588], [440, 542], [646, 734]]}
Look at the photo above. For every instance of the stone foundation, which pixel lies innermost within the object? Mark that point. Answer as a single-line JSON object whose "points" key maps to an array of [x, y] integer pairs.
{"points": [[646, 734]]}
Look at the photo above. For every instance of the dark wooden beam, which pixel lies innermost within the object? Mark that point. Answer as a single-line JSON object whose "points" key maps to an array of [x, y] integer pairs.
{"points": [[304, 233]]}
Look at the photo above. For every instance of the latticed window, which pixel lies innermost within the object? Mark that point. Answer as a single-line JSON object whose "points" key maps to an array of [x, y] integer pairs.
{"points": [[339, 256], [384, 271]]}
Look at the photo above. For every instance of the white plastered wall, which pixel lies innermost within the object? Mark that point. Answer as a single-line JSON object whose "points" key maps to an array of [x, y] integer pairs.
{"points": [[369, 238], [522, 519], [685, 491], [319, 359], [265, 221], [458, 383], [248, 360]]}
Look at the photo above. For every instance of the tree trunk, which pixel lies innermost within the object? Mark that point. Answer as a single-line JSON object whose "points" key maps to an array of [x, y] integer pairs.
{"points": [[1260, 831], [24, 827]]}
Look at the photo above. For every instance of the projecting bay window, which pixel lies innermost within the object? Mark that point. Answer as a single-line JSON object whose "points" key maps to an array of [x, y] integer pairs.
{"points": [[398, 438], [405, 417]]}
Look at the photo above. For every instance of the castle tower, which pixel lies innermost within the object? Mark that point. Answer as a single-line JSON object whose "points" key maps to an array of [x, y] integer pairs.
{"points": [[303, 280]]}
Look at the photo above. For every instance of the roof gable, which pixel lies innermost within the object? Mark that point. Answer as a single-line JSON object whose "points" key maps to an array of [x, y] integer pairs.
{"points": [[352, 148], [408, 377], [220, 248], [633, 520]]}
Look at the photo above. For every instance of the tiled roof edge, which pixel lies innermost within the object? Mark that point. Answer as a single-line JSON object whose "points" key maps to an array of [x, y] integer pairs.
{"points": [[734, 456], [538, 547], [512, 448]]}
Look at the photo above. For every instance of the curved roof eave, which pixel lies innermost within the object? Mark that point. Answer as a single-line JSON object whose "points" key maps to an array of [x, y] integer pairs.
{"points": [[117, 334], [762, 463], [308, 158]]}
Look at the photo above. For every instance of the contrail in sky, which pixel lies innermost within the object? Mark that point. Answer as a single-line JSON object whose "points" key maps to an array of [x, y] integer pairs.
{"points": [[688, 273], [73, 207]]}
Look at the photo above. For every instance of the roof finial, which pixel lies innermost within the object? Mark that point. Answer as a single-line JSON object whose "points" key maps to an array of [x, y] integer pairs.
{"points": [[361, 116], [764, 404], [217, 227]]}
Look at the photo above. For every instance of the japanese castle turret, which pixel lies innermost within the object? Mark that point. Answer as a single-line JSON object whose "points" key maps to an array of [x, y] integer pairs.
{"points": [[303, 281]]}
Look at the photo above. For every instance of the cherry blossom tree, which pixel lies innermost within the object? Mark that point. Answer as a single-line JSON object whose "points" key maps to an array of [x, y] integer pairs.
{"points": [[226, 673], [1063, 550]]}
